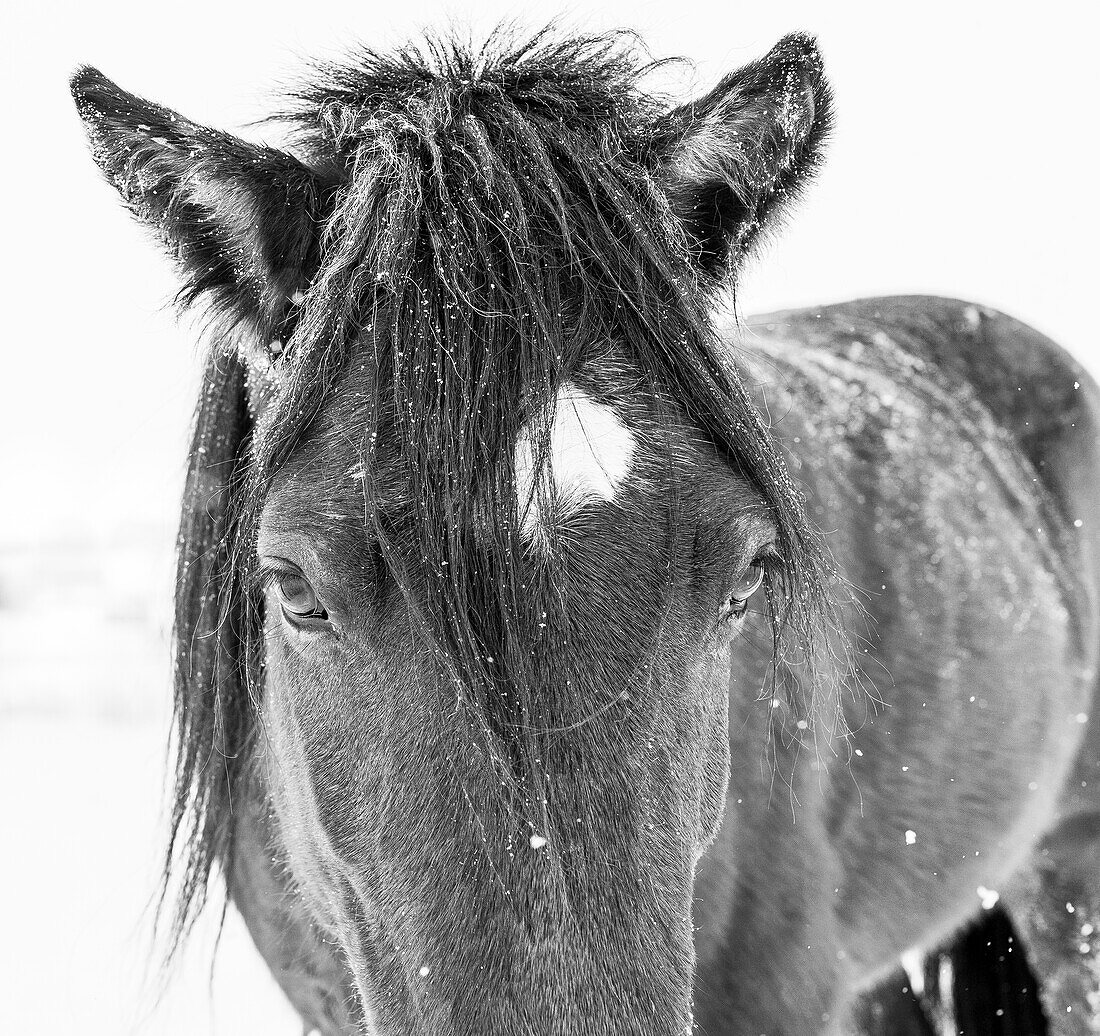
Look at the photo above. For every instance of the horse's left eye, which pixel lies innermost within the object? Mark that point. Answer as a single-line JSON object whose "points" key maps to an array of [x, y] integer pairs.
{"points": [[746, 584]]}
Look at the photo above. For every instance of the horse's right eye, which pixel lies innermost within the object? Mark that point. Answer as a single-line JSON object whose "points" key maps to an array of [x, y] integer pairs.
{"points": [[298, 598]]}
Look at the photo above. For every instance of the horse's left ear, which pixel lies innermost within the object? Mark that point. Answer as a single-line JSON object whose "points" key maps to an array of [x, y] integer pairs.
{"points": [[731, 160], [244, 220]]}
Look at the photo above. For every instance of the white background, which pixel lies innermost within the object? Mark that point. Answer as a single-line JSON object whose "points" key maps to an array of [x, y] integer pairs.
{"points": [[963, 163]]}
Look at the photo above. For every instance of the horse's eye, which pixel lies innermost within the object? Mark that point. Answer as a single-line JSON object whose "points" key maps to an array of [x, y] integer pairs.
{"points": [[748, 582], [298, 598], [736, 604]]}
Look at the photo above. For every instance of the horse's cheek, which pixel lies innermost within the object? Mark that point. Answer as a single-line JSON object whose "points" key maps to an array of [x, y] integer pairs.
{"points": [[709, 696], [313, 763], [287, 770]]}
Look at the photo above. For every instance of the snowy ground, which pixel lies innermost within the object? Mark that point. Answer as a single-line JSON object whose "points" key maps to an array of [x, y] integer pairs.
{"points": [[84, 710]]}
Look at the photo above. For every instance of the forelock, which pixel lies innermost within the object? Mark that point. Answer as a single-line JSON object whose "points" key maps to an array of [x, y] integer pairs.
{"points": [[499, 218]]}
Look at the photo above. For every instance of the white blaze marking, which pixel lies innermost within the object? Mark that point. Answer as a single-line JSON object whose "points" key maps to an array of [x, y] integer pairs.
{"points": [[590, 454]]}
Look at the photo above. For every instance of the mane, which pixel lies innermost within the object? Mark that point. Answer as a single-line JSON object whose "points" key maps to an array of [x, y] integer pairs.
{"points": [[497, 212]]}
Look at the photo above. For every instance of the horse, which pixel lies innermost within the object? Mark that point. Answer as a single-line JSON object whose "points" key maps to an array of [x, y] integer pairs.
{"points": [[556, 652]]}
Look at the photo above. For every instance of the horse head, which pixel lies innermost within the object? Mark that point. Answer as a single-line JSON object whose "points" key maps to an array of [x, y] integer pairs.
{"points": [[477, 511]]}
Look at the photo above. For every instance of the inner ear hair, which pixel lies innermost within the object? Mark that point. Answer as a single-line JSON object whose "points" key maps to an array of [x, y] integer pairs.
{"points": [[733, 159]]}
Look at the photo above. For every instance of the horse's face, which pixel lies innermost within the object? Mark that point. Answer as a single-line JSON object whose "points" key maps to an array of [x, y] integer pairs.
{"points": [[493, 735], [389, 805]]}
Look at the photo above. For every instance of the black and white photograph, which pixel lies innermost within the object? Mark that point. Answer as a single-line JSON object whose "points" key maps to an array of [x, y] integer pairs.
{"points": [[550, 520]]}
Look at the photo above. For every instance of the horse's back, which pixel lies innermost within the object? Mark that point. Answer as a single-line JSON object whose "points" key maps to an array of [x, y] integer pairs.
{"points": [[1033, 389]]}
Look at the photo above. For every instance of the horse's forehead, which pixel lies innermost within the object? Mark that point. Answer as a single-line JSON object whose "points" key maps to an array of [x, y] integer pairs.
{"points": [[604, 433]]}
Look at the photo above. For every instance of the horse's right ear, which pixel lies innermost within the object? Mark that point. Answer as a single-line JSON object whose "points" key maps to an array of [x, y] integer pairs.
{"points": [[243, 220]]}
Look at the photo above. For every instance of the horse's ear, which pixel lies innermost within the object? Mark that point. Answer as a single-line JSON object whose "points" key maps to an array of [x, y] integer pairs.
{"points": [[242, 219], [731, 160]]}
